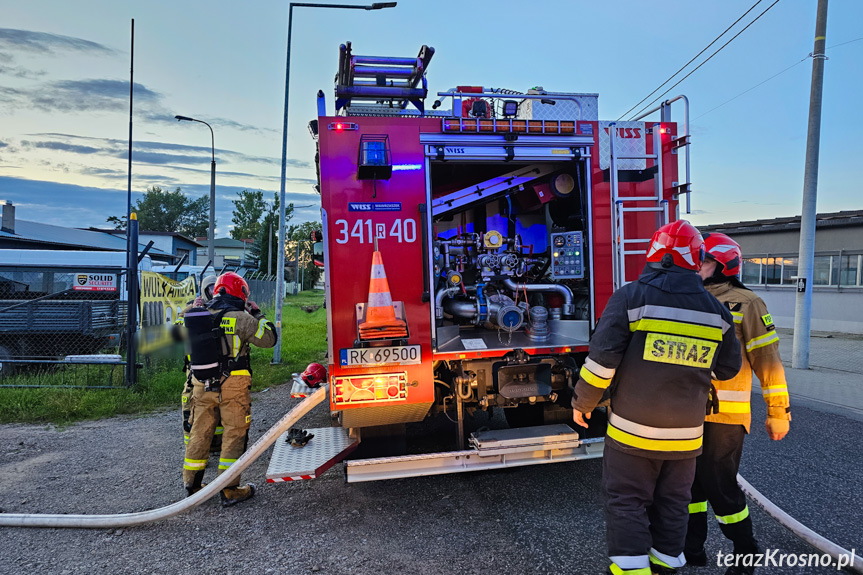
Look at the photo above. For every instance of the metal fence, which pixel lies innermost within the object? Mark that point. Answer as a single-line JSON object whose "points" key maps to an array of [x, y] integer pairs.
{"points": [[54, 333], [262, 288]]}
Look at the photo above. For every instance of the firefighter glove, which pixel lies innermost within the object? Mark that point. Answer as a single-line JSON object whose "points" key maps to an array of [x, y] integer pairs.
{"points": [[252, 308], [712, 401], [777, 428], [298, 437]]}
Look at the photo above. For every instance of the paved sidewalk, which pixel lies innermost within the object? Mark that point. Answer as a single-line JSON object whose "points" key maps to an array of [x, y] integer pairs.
{"points": [[834, 382]]}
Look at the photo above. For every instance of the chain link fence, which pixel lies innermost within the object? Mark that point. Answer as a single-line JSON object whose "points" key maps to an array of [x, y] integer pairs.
{"points": [[57, 329]]}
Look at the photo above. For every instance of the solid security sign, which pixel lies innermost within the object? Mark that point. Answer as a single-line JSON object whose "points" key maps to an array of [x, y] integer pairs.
{"points": [[95, 282]]}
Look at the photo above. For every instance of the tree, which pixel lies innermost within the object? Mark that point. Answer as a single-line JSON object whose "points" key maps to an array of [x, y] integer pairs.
{"points": [[165, 211], [261, 247], [301, 235], [248, 210]]}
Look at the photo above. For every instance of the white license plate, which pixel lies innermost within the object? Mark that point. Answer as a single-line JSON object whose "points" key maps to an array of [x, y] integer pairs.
{"points": [[372, 356]]}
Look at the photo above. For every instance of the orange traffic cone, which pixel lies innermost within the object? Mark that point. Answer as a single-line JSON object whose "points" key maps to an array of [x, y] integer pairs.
{"points": [[381, 321]]}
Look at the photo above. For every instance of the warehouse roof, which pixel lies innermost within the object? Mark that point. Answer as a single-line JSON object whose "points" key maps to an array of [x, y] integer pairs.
{"points": [[827, 220]]}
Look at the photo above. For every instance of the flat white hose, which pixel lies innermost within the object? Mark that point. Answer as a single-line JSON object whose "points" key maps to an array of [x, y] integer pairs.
{"points": [[141, 517], [817, 541]]}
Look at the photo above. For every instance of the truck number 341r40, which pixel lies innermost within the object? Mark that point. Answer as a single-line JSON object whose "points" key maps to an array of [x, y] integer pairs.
{"points": [[366, 231]]}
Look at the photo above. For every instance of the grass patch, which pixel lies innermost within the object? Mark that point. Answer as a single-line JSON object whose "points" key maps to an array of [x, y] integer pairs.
{"points": [[160, 383]]}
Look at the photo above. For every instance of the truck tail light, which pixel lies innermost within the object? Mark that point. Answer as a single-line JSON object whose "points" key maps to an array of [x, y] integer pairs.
{"points": [[343, 126], [369, 388]]}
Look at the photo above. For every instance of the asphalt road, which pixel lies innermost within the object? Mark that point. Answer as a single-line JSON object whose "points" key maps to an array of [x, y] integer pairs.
{"points": [[533, 520]]}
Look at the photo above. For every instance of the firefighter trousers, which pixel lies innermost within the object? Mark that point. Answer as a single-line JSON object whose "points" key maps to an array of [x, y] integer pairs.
{"points": [[646, 503], [233, 403], [716, 482], [186, 404]]}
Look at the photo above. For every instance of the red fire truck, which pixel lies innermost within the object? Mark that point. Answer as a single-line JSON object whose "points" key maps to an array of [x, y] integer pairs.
{"points": [[468, 254]]}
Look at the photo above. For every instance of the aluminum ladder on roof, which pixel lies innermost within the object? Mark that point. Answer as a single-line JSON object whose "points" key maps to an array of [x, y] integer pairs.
{"points": [[621, 205]]}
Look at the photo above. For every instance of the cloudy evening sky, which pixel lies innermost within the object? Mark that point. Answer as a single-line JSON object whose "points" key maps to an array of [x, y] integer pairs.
{"points": [[64, 71]]}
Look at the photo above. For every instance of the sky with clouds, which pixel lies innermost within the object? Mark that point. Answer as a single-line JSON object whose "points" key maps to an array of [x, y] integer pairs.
{"points": [[64, 91]]}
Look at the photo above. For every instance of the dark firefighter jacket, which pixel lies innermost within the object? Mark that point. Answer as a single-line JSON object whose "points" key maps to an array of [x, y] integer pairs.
{"points": [[656, 345], [759, 343]]}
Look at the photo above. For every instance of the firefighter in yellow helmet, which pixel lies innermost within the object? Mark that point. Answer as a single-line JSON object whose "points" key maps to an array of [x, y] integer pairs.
{"points": [[186, 397], [654, 348], [716, 467], [220, 335]]}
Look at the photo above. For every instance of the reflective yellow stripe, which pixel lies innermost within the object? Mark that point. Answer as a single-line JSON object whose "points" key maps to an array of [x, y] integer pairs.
{"points": [[226, 463], [262, 326], [738, 317], [194, 464], [654, 432], [775, 390], [220, 430], [653, 444], [618, 571], [735, 518], [593, 379], [677, 328], [241, 372], [763, 340], [186, 438], [598, 369], [729, 395], [657, 561], [734, 407], [700, 507], [235, 346]]}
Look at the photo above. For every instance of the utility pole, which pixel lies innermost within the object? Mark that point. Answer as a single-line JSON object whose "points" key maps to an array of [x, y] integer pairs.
{"points": [[805, 269], [297, 272]]}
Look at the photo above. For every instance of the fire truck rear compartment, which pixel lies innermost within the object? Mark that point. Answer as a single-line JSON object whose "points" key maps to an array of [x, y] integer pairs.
{"points": [[508, 275]]}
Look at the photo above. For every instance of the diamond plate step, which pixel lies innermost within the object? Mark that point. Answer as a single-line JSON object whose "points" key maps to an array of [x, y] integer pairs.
{"points": [[328, 446]]}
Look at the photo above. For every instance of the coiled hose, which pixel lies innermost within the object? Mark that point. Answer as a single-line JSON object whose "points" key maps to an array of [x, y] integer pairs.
{"points": [[141, 517]]}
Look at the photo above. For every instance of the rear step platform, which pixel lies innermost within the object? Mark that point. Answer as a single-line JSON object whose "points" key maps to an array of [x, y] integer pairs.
{"points": [[494, 449], [328, 446]]}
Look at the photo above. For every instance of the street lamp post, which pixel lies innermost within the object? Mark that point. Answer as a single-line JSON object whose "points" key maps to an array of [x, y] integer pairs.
{"points": [[280, 266], [211, 232]]}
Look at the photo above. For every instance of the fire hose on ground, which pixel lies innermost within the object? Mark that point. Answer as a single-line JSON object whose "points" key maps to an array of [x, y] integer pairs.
{"points": [[807, 535], [284, 424], [211, 489]]}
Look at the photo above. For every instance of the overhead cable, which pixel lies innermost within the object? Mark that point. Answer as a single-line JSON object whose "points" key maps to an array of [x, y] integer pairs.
{"points": [[708, 58], [773, 76], [670, 78]]}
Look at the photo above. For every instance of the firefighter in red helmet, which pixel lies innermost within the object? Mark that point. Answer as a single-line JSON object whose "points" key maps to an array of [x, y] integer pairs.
{"points": [[653, 350], [220, 334], [724, 431]]}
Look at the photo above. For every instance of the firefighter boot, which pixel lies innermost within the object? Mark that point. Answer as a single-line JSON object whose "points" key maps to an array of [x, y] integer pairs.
{"points": [[661, 570], [696, 558], [195, 485], [233, 495]]}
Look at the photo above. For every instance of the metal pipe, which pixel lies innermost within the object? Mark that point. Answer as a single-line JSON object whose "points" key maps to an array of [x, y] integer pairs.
{"points": [[439, 297], [820, 543], [141, 517], [568, 308], [460, 308]]}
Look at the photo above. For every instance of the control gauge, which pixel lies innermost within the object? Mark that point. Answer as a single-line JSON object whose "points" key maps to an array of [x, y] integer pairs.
{"points": [[559, 241]]}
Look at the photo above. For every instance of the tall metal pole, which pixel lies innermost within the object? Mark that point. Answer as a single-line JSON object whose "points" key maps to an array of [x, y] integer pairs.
{"points": [[280, 261], [129, 189], [131, 245], [297, 272], [132, 302], [805, 270], [211, 232], [280, 266]]}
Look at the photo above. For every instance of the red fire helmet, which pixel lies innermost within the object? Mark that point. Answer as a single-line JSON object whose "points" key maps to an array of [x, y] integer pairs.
{"points": [[682, 241], [725, 251], [314, 375], [231, 284]]}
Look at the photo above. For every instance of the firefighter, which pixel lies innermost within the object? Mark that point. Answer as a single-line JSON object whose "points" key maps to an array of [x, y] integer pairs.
{"points": [[653, 351], [220, 335], [186, 397], [717, 466]]}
